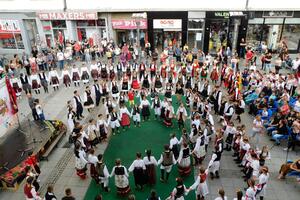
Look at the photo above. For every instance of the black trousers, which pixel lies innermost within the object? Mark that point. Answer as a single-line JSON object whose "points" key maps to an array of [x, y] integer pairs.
{"points": [[34, 114], [98, 97], [79, 111]]}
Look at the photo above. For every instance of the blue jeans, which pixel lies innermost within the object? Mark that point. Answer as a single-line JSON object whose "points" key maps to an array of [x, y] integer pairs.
{"points": [[61, 64], [42, 117], [268, 67]]}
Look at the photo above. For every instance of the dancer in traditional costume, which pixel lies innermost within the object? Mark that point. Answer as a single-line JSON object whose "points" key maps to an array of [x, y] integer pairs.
{"points": [[125, 116], [200, 185], [102, 127], [44, 81], [75, 75], [65, 76], [136, 115], [113, 121], [150, 163], [166, 162], [138, 168], [135, 84], [87, 99], [184, 160], [145, 106], [169, 113], [80, 161], [181, 116], [35, 83], [214, 163], [16, 84], [199, 149], [85, 76], [94, 71], [102, 174], [121, 178], [156, 106], [54, 80], [179, 191]]}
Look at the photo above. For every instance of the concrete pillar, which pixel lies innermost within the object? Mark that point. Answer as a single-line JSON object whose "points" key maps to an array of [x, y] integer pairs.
{"points": [[40, 30], [72, 31], [25, 37], [237, 23], [109, 27]]}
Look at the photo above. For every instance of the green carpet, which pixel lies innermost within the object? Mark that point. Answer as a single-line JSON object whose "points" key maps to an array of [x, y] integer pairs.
{"points": [[151, 135]]}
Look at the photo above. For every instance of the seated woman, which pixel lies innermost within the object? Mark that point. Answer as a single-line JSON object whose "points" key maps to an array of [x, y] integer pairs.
{"points": [[284, 109], [272, 126], [280, 132], [251, 97], [288, 167]]}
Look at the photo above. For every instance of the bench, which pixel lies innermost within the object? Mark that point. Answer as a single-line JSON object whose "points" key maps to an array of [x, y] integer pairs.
{"points": [[44, 155]]}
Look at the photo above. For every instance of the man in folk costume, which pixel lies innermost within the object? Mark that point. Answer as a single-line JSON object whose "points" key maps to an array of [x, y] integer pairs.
{"points": [[121, 178], [44, 81], [35, 83], [94, 71], [166, 162], [25, 81], [29, 190], [214, 163], [102, 127], [114, 88], [153, 70], [136, 115], [96, 92], [87, 99], [217, 99], [77, 105], [138, 168], [228, 110], [184, 160], [113, 121], [102, 173], [174, 145], [181, 116], [75, 76], [53, 77], [205, 89], [65, 76], [104, 90], [142, 70], [156, 106], [200, 185]]}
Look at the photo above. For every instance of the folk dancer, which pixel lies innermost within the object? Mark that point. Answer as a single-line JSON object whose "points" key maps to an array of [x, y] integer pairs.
{"points": [[150, 163], [166, 162], [35, 83], [102, 173], [121, 178], [113, 121], [77, 105], [136, 115], [181, 116], [53, 77], [85, 77], [75, 76], [156, 106], [138, 168], [65, 76], [145, 106], [169, 113], [44, 81], [125, 116], [87, 99], [102, 127], [184, 161]]}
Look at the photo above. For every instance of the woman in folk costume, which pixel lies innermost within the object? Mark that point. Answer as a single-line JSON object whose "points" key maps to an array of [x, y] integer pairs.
{"points": [[163, 106], [166, 162], [179, 191], [205, 89], [85, 76], [228, 78], [71, 118], [103, 71], [195, 68], [113, 121], [92, 133], [189, 82], [114, 88], [104, 90], [214, 163], [158, 83], [184, 161], [142, 70], [172, 69], [125, 83], [181, 116], [163, 71], [262, 182], [102, 127], [146, 81], [65, 76], [135, 84], [16, 84], [92, 160], [145, 106], [214, 75], [80, 161], [169, 113], [199, 149], [224, 70], [174, 145], [53, 77], [109, 106], [112, 72], [136, 115], [168, 92], [125, 117], [44, 80], [200, 185], [180, 80], [35, 82], [128, 70], [121, 178], [30, 191], [102, 174], [150, 163], [156, 105], [203, 73], [138, 168], [94, 71], [87, 99], [75, 75], [251, 191]]}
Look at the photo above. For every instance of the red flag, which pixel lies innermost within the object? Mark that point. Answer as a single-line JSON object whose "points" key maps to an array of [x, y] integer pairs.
{"points": [[12, 96]]}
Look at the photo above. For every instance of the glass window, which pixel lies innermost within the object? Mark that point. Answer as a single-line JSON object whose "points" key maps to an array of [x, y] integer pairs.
{"points": [[86, 23], [19, 41], [195, 23], [101, 22], [7, 41], [254, 33], [59, 24], [291, 34]]}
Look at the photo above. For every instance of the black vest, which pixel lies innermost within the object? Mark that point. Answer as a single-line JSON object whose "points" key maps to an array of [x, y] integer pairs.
{"points": [[119, 170]]}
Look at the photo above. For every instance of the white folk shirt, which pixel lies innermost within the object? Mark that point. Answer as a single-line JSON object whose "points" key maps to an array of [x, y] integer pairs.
{"points": [[151, 161], [137, 164], [173, 141]]}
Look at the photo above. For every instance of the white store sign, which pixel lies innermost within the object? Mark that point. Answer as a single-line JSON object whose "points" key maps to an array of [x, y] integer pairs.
{"points": [[167, 23]]}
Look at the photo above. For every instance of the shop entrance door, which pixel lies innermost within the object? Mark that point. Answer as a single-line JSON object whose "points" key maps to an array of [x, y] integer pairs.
{"points": [[218, 35]]}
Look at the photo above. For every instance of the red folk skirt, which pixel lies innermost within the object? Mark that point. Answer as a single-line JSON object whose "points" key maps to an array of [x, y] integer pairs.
{"points": [[125, 120]]}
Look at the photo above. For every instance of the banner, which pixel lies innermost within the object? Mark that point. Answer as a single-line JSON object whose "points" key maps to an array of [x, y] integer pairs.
{"points": [[7, 108], [129, 23], [68, 16], [9, 26]]}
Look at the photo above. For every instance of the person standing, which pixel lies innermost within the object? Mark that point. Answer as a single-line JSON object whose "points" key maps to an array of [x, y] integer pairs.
{"points": [[121, 178], [200, 184], [31, 101], [150, 163], [44, 81], [222, 195], [243, 45], [25, 81], [102, 173], [68, 195], [125, 117], [138, 168], [49, 194], [257, 129], [39, 110], [136, 116], [262, 182], [29, 190], [113, 121], [145, 106], [88, 100], [179, 191], [166, 161], [184, 160], [60, 58], [77, 105], [96, 93]]}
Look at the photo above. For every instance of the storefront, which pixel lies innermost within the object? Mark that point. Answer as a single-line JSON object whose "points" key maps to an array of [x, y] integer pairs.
{"points": [[167, 28], [79, 26], [224, 29], [269, 28], [18, 33], [127, 29], [195, 29]]}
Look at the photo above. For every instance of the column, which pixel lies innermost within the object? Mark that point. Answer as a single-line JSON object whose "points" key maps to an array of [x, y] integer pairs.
{"points": [[237, 23], [72, 31]]}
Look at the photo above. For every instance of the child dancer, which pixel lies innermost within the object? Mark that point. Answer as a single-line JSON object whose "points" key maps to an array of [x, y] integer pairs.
{"points": [[136, 116]]}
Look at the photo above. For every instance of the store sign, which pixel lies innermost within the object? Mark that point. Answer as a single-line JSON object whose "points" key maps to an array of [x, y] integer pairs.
{"points": [[236, 14], [129, 24], [167, 23], [278, 13], [9, 26], [68, 16], [222, 14]]}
